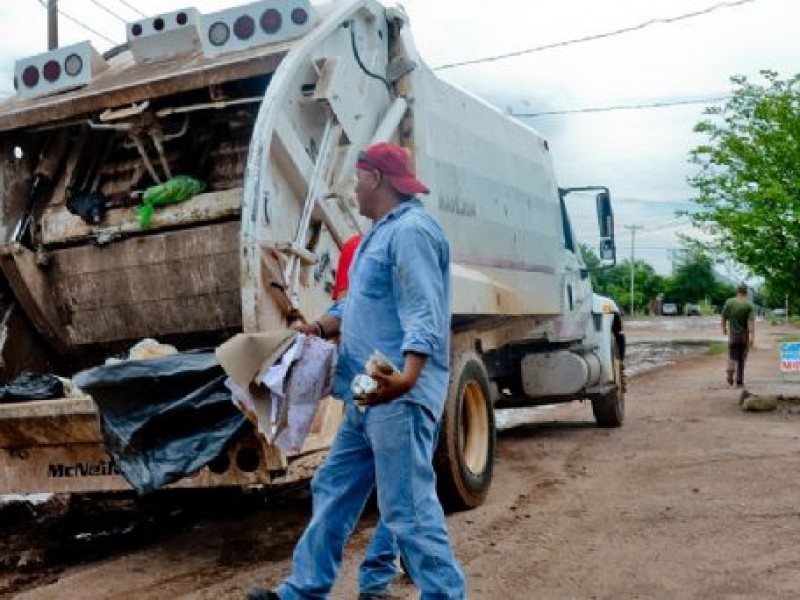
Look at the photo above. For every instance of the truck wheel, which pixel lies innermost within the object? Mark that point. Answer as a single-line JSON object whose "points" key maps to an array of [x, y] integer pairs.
{"points": [[465, 454], [609, 410]]}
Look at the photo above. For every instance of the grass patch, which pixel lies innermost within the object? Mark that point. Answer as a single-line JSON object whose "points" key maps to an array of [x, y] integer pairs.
{"points": [[789, 337], [717, 348]]}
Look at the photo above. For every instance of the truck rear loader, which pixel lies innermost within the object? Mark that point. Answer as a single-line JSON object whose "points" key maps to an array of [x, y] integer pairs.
{"points": [[268, 104]]}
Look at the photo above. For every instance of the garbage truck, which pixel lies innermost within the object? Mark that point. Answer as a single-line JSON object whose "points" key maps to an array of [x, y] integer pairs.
{"points": [[267, 105]]}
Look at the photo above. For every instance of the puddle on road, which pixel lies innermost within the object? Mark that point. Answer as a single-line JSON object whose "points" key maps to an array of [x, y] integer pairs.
{"points": [[646, 356]]}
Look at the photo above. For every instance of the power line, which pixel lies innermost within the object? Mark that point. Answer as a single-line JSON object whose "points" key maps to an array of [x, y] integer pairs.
{"points": [[108, 10], [79, 23], [597, 36], [641, 106], [133, 8]]}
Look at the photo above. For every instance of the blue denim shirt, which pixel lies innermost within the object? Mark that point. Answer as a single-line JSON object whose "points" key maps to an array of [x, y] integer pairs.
{"points": [[398, 301]]}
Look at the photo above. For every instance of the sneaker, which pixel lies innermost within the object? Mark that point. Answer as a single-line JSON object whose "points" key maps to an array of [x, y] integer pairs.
{"points": [[729, 377], [262, 594]]}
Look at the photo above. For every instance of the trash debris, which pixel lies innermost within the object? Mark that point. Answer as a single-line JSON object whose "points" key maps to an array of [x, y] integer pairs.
{"points": [[150, 348], [173, 191], [32, 386], [144, 350], [278, 380], [164, 418], [70, 389], [90, 207]]}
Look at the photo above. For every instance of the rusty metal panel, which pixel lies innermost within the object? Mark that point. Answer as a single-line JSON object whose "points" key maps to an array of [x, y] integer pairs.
{"points": [[59, 226], [49, 422], [33, 292], [20, 347], [176, 282]]}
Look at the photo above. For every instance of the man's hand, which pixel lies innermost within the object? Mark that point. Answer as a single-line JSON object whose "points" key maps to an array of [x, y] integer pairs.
{"points": [[395, 384], [325, 327], [303, 327], [389, 387]]}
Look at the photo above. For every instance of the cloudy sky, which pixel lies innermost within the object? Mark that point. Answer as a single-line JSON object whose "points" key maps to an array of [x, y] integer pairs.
{"points": [[640, 154]]}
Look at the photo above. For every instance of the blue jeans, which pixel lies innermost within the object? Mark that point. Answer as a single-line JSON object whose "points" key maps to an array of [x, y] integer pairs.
{"points": [[390, 447], [378, 570]]}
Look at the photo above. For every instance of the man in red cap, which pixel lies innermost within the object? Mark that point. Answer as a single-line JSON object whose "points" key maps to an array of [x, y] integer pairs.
{"points": [[398, 303]]}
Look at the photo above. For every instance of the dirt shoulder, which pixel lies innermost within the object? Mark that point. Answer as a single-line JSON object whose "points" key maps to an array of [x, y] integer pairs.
{"points": [[692, 498]]}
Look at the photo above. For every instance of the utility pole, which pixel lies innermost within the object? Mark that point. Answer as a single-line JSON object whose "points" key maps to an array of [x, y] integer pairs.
{"points": [[52, 24], [633, 229]]}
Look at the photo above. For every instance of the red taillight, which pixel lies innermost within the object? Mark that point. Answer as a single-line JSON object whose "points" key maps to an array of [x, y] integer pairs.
{"points": [[136, 29], [299, 16], [158, 24], [51, 70], [182, 18], [244, 27], [271, 21], [30, 76]]}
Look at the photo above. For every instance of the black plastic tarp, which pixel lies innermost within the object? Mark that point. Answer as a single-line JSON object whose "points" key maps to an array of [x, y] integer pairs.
{"points": [[165, 418]]}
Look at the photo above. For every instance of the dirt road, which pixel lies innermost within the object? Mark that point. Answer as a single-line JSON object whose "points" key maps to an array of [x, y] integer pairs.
{"points": [[692, 498]]}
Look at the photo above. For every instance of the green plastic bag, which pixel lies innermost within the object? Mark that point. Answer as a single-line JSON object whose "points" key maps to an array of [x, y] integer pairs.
{"points": [[174, 191]]}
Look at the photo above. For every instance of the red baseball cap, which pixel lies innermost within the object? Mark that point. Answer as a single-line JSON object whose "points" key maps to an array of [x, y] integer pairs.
{"points": [[394, 163]]}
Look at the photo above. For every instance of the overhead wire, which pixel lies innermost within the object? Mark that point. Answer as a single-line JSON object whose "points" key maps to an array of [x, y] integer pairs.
{"points": [[597, 36], [78, 22], [133, 8], [108, 10], [638, 106]]}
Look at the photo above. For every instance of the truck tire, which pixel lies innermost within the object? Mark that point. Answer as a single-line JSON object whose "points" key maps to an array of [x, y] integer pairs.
{"points": [[464, 457], [609, 410]]}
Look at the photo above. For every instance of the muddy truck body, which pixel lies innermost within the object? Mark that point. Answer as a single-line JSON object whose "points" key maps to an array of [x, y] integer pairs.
{"points": [[269, 104]]}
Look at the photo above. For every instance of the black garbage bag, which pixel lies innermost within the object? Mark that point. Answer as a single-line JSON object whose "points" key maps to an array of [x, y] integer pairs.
{"points": [[90, 207], [164, 418], [32, 386]]}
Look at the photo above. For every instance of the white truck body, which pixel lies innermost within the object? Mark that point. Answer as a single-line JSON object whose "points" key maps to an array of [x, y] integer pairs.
{"points": [[276, 128]]}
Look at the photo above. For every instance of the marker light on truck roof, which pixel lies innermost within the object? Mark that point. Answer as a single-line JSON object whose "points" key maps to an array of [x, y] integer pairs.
{"points": [[164, 36], [73, 64], [51, 70], [271, 21], [244, 27], [57, 71], [256, 24], [219, 33], [299, 16], [30, 76]]}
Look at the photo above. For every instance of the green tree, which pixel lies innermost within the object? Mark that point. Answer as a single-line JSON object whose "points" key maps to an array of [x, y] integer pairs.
{"points": [[616, 281], [748, 179], [694, 278]]}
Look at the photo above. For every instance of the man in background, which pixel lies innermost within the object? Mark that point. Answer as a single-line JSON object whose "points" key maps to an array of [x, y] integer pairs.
{"points": [[739, 324]]}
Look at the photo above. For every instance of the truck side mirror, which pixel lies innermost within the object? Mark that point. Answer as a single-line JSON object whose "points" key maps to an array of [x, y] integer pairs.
{"points": [[605, 221], [608, 252]]}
